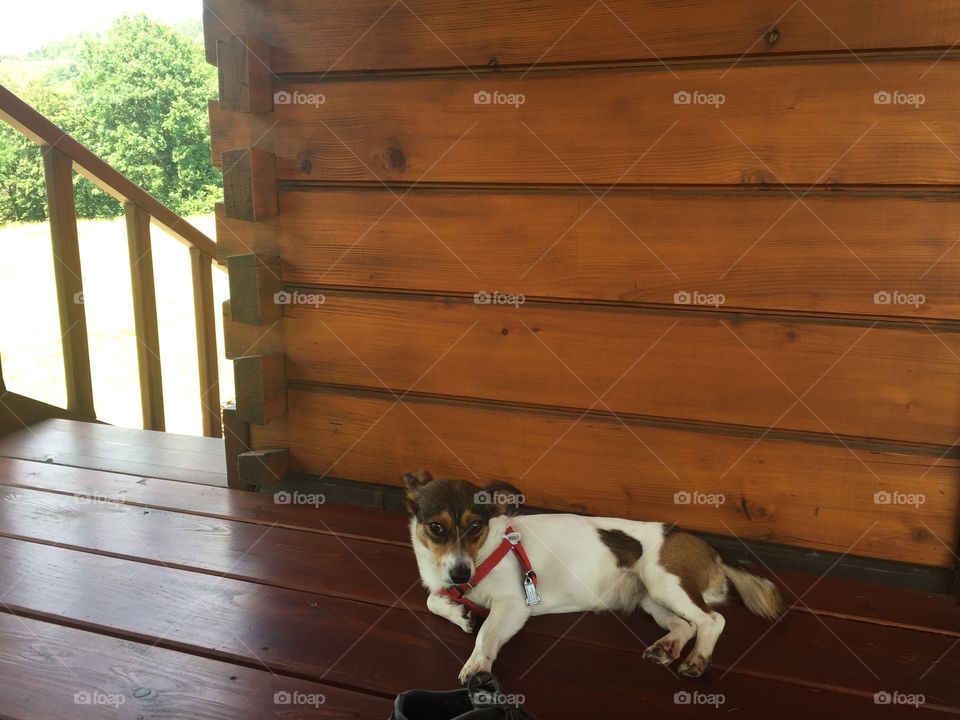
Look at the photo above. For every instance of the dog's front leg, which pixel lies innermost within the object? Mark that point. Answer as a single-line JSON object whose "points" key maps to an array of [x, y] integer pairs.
{"points": [[454, 612], [505, 619]]}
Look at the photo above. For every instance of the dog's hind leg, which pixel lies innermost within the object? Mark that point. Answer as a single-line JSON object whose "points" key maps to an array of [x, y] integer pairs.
{"points": [[708, 623], [667, 649], [690, 573]]}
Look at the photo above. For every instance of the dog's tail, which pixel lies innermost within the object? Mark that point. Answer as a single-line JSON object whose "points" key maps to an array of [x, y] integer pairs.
{"points": [[759, 594]]}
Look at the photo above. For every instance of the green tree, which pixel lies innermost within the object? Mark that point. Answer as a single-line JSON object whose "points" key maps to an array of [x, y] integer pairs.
{"points": [[23, 195], [136, 96], [144, 89]]}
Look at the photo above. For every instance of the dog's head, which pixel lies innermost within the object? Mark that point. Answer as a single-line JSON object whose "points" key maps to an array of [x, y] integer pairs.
{"points": [[453, 517]]}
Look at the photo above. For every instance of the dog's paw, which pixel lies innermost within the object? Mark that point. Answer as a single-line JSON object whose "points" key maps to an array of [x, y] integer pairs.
{"points": [[662, 653], [465, 623], [694, 666], [476, 664]]}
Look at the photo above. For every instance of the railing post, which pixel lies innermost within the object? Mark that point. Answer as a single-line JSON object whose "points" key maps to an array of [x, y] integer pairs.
{"points": [[145, 316], [62, 212], [206, 342]]}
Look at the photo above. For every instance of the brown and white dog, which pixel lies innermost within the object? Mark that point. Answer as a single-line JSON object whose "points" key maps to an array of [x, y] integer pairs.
{"points": [[582, 563]]}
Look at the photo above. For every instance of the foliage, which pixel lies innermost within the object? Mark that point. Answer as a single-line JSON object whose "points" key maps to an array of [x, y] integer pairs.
{"points": [[136, 96]]}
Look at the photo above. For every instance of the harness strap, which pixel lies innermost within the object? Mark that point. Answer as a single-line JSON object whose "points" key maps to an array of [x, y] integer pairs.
{"points": [[511, 542]]}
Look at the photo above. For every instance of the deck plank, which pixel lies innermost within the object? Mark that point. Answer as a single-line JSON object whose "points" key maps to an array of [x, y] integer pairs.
{"points": [[344, 520], [361, 646], [853, 656], [43, 666], [186, 458]]}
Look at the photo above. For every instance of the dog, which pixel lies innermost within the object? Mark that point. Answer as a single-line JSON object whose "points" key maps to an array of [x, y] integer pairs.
{"points": [[559, 563]]}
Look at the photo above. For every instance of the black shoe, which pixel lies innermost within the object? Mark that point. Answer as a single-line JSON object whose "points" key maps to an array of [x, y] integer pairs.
{"points": [[482, 699]]}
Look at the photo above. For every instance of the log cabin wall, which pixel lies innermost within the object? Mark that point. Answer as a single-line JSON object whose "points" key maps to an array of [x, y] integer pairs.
{"points": [[694, 262]]}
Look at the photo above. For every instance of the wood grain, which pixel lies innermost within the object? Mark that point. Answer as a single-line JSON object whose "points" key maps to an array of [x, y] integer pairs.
{"points": [[781, 491], [343, 520], [832, 379], [261, 384], [44, 665], [185, 458], [376, 35], [800, 124], [830, 254], [145, 317], [62, 212], [242, 339]]}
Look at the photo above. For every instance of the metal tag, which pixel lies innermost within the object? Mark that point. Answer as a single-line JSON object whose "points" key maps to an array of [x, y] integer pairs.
{"points": [[530, 590]]}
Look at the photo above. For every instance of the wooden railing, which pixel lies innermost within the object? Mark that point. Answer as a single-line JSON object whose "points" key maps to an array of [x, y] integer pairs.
{"points": [[62, 154]]}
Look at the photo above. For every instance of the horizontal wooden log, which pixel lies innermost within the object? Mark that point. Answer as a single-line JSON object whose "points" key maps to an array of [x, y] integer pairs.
{"points": [[833, 253], [375, 35], [263, 467], [795, 493], [238, 237], [243, 70], [249, 184], [895, 384], [240, 339], [261, 387], [254, 289], [803, 123]]}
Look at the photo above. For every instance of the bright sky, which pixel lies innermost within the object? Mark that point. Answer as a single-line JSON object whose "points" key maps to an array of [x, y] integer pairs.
{"points": [[27, 26]]}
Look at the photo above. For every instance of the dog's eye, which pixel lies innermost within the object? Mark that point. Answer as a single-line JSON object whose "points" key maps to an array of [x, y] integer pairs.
{"points": [[475, 526], [437, 529]]}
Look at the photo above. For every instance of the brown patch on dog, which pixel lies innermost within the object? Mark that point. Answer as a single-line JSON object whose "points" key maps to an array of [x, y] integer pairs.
{"points": [[626, 549], [698, 565]]}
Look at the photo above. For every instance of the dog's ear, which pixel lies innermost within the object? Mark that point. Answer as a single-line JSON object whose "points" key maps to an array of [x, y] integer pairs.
{"points": [[413, 481], [504, 498]]}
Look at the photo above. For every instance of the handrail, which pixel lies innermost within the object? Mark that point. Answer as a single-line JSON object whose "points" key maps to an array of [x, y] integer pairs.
{"points": [[16, 113], [61, 155]]}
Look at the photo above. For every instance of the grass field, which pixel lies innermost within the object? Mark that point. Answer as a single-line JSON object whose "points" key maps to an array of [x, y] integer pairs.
{"points": [[30, 348]]}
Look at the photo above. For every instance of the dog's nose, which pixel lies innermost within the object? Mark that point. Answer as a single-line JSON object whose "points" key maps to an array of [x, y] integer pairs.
{"points": [[459, 574]]}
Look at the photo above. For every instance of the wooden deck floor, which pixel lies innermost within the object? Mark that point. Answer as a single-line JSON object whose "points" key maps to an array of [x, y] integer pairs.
{"points": [[130, 596]]}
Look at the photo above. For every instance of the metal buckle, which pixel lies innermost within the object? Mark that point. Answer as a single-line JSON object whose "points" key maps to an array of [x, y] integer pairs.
{"points": [[513, 538]]}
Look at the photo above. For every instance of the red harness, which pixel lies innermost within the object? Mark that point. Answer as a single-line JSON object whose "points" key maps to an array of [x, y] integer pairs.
{"points": [[511, 542]]}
